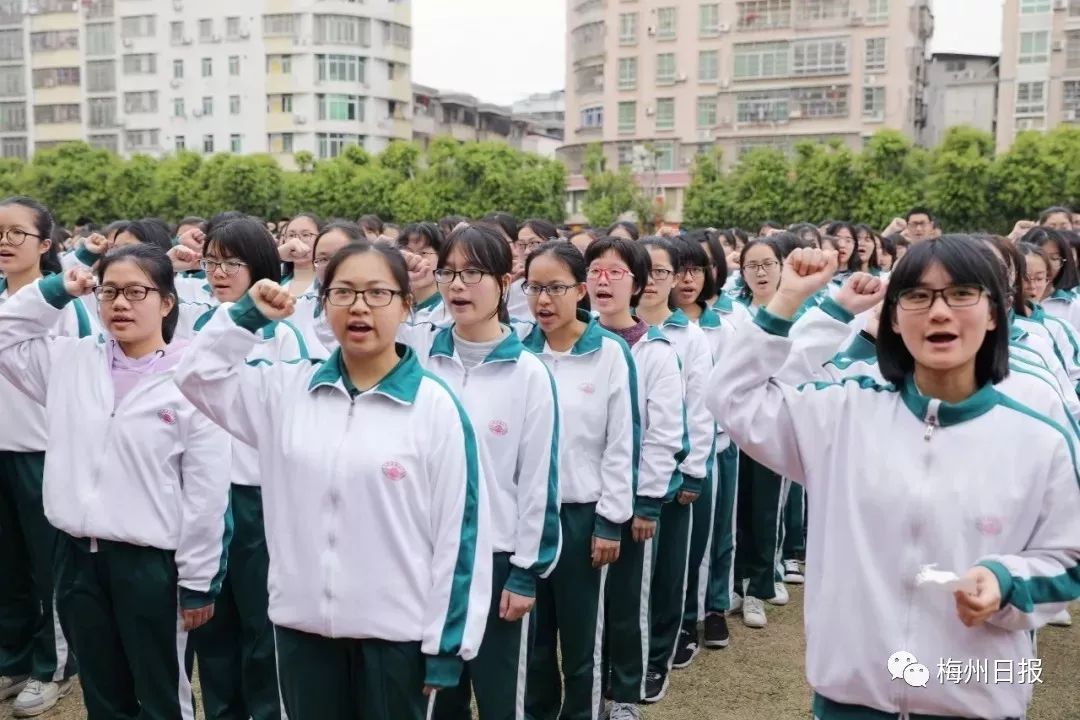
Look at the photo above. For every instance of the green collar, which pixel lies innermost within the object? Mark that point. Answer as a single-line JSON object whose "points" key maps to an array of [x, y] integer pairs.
{"points": [[948, 413], [286, 280], [3, 285], [1037, 312], [268, 331], [590, 340], [1060, 294], [400, 384], [676, 319], [709, 319], [1016, 332], [509, 349], [723, 303], [432, 302], [655, 333]]}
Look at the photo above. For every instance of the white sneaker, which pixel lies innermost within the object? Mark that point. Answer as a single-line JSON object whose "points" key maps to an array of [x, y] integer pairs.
{"points": [[624, 711], [753, 612], [39, 697], [792, 573], [781, 597], [1062, 619], [11, 685]]}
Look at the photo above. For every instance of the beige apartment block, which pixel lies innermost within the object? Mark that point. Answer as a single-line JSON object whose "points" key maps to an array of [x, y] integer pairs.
{"points": [[659, 81], [1040, 67]]}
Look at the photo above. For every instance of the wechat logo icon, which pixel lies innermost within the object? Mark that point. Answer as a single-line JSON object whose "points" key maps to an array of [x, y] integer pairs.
{"points": [[903, 664]]}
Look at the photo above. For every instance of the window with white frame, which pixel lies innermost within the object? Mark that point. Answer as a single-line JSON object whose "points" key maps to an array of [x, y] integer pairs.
{"points": [[873, 103], [55, 114], [12, 116], [706, 111], [666, 23], [664, 151], [761, 60], [628, 73], [589, 78], [234, 104], [232, 27], [141, 64], [628, 28], [877, 11], [13, 147], [709, 19], [665, 68], [339, 68], [207, 67], [279, 103], [763, 14], [206, 30], [1029, 7], [339, 107], [767, 106], [178, 69], [820, 56], [1034, 47], [665, 113], [208, 144], [822, 11], [145, 101], [11, 44], [592, 117], [207, 105], [138, 26], [178, 109], [829, 101], [54, 40], [627, 117], [141, 139], [1072, 49], [235, 143], [105, 142], [626, 154], [1030, 98], [342, 30], [282, 25], [179, 143], [1070, 100], [100, 39], [280, 142], [874, 58], [102, 112], [13, 80], [708, 66], [330, 145], [55, 77], [176, 32]]}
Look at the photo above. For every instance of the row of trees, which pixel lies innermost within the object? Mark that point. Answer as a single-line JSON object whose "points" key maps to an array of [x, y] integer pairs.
{"points": [[962, 180], [400, 184]]}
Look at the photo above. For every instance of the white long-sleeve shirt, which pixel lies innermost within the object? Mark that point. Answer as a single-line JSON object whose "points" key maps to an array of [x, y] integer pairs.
{"points": [[145, 472], [375, 504], [986, 481], [695, 357]]}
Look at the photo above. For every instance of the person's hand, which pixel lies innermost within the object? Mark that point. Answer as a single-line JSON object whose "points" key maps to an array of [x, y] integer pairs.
{"points": [[78, 282], [293, 249], [733, 259], [197, 618], [685, 497], [805, 271], [97, 243], [513, 607], [873, 321], [193, 239], [273, 301], [974, 609], [642, 529], [604, 552], [518, 271], [419, 267], [898, 225], [1020, 229], [860, 292], [184, 258]]}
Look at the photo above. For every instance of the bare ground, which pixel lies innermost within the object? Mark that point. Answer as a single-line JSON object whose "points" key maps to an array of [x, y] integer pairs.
{"points": [[760, 675]]}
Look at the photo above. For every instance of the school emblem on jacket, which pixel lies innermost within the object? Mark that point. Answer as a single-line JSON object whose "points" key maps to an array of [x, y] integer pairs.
{"points": [[588, 388], [498, 427], [167, 416], [393, 470], [989, 525]]}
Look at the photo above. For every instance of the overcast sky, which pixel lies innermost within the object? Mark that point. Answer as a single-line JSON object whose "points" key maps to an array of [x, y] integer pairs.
{"points": [[503, 50]]}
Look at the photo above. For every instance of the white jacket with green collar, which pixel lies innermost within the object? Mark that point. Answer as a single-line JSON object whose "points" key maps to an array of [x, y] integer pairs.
{"points": [[512, 402], [986, 481], [600, 430], [22, 421], [375, 504], [145, 472], [1063, 304]]}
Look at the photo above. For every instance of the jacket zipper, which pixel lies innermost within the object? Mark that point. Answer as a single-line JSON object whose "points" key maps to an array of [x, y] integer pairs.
{"points": [[341, 446], [931, 418]]}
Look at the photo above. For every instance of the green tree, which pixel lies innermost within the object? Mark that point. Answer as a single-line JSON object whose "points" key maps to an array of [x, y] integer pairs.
{"points": [[708, 200], [1026, 179], [761, 188], [891, 173], [174, 192], [958, 186], [610, 194], [826, 182], [73, 180]]}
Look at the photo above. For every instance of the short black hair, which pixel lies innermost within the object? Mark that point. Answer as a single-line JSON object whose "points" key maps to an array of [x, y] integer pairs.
{"points": [[772, 225], [1013, 261], [873, 260], [770, 243], [447, 223], [807, 233], [631, 253], [289, 268], [563, 251], [44, 225], [545, 230], [692, 254], [151, 231], [429, 231], [1045, 214], [192, 220], [371, 223], [83, 220], [115, 228], [505, 222], [711, 238], [673, 252], [1066, 277], [786, 241], [967, 261], [631, 228], [485, 249], [394, 259], [153, 261], [246, 239], [350, 229], [733, 236], [920, 210]]}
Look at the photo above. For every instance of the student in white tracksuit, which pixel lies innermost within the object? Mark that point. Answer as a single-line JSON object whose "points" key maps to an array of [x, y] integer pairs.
{"points": [[133, 481], [235, 650], [35, 660], [596, 380], [618, 271], [376, 513], [426, 240], [1009, 530], [510, 398], [309, 308], [668, 595]]}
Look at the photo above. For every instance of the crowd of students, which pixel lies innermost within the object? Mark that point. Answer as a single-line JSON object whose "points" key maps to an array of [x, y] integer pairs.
{"points": [[356, 470]]}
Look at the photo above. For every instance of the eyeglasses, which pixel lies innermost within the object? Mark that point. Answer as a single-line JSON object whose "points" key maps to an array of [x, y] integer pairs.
{"points": [[300, 236], [552, 290], [766, 265], [320, 261], [694, 271], [469, 276], [427, 252], [614, 274], [229, 267], [373, 297], [1041, 277], [131, 293], [17, 237], [955, 296], [528, 246], [660, 273]]}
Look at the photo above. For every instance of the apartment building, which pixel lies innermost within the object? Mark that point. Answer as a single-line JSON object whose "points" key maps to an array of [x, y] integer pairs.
{"points": [[658, 81], [154, 76], [961, 89], [1040, 67]]}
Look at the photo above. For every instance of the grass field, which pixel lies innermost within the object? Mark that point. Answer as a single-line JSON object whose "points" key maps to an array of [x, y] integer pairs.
{"points": [[760, 675]]}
